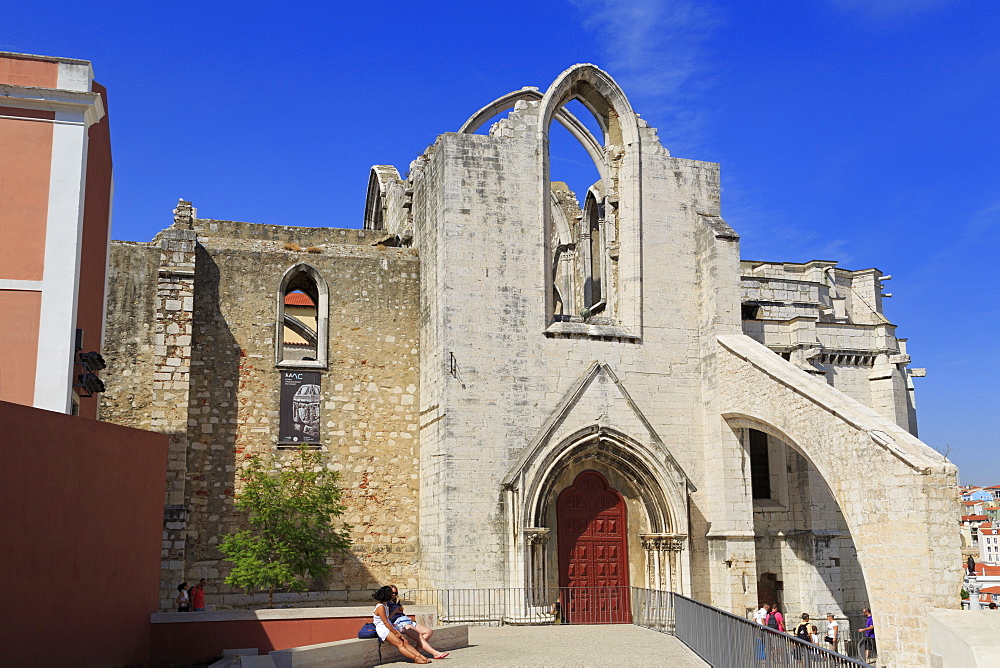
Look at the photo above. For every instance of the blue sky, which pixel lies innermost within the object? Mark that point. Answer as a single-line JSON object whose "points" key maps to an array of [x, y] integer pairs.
{"points": [[864, 131]]}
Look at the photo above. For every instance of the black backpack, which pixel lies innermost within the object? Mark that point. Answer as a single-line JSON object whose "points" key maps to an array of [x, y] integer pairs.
{"points": [[802, 631], [771, 622]]}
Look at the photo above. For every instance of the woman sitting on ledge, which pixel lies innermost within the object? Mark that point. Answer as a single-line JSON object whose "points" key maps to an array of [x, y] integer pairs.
{"points": [[418, 633], [385, 629]]}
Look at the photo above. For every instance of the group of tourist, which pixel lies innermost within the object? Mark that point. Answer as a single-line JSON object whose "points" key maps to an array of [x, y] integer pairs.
{"points": [[392, 624], [191, 598], [768, 615]]}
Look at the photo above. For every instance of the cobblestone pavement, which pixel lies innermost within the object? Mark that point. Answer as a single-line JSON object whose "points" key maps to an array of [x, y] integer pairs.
{"points": [[610, 645]]}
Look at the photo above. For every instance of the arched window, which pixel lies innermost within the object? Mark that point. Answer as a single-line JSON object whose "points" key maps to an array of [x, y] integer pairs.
{"points": [[607, 238], [302, 323], [592, 232]]}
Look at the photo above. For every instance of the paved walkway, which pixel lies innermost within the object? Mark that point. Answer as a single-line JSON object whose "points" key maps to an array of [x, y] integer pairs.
{"points": [[550, 646]]}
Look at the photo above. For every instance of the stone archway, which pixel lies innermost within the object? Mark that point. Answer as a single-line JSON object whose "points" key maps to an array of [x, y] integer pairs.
{"points": [[868, 463], [593, 551]]}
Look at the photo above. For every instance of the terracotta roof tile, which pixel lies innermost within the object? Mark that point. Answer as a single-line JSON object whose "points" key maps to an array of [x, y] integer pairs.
{"points": [[298, 299]]}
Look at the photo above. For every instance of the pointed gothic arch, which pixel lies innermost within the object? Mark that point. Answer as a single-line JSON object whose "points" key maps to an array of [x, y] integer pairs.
{"points": [[655, 488], [618, 249], [380, 179], [792, 557], [305, 279]]}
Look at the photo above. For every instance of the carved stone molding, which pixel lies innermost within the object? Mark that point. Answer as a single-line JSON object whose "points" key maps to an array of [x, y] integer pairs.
{"points": [[536, 535], [663, 542]]}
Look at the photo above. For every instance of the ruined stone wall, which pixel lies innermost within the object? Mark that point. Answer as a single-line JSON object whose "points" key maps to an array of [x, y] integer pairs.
{"points": [[499, 374], [369, 393], [369, 396], [128, 339]]}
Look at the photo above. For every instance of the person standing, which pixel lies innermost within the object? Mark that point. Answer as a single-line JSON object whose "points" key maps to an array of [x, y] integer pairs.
{"points": [[183, 601], [832, 632], [761, 613], [198, 596], [802, 630], [868, 641]]}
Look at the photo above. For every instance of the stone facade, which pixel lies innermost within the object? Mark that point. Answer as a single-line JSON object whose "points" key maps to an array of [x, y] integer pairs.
{"points": [[754, 420], [206, 376]]}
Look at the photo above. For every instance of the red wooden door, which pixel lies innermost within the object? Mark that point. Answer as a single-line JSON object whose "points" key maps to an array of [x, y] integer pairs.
{"points": [[593, 553]]}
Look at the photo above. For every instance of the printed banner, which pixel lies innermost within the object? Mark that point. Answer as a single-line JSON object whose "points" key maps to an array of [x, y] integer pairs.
{"points": [[299, 408]]}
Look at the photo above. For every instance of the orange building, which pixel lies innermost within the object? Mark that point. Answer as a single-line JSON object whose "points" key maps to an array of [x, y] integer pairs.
{"points": [[56, 189]]}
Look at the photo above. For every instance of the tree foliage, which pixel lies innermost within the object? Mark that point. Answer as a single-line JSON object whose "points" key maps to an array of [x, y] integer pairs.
{"points": [[291, 534]]}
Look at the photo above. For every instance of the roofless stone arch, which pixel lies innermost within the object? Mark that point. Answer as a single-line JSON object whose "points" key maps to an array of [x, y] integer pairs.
{"points": [[601, 94], [619, 166], [869, 464], [573, 124], [379, 180]]}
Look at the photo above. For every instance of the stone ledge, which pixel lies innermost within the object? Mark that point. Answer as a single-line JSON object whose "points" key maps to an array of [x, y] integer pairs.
{"points": [[584, 330], [280, 614], [357, 653]]}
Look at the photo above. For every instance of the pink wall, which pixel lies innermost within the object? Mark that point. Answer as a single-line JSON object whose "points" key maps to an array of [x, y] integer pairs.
{"points": [[191, 642], [82, 530], [19, 314], [28, 71], [26, 147]]}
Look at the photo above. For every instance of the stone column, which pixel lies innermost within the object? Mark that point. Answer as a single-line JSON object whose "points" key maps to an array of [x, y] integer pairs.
{"points": [[535, 541], [174, 309], [662, 559]]}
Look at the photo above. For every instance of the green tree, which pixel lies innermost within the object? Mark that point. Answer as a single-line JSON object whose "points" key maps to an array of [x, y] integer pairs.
{"points": [[290, 536]]}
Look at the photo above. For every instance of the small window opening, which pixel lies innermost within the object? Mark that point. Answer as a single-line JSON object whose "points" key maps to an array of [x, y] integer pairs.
{"points": [[760, 465], [750, 311]]}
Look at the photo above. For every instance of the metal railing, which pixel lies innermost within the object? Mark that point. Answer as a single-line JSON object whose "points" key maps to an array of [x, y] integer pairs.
{"points": [[506, 606], [720, 638], [723, 639], [653, 609]]}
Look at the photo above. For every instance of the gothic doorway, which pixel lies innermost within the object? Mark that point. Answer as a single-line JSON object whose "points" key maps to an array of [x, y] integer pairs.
{"points": [[769, 590], [593, 552]]}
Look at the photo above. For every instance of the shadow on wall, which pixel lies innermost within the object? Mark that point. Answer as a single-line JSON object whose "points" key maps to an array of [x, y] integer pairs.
{"points": [[213, 433], [227, 377], [825, 552], [701, 587]]}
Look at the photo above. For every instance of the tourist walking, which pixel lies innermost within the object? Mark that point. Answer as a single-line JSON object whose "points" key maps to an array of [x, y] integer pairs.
{"points": [[868, 639], [802, 629], [774, 619], [197, 595], [832, 637], [183, 601]]}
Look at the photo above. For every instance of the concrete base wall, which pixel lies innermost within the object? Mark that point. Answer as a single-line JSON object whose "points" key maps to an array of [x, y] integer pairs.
{"points": [[83, 518], [184, 638], [964, 638], [362, 653]]}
